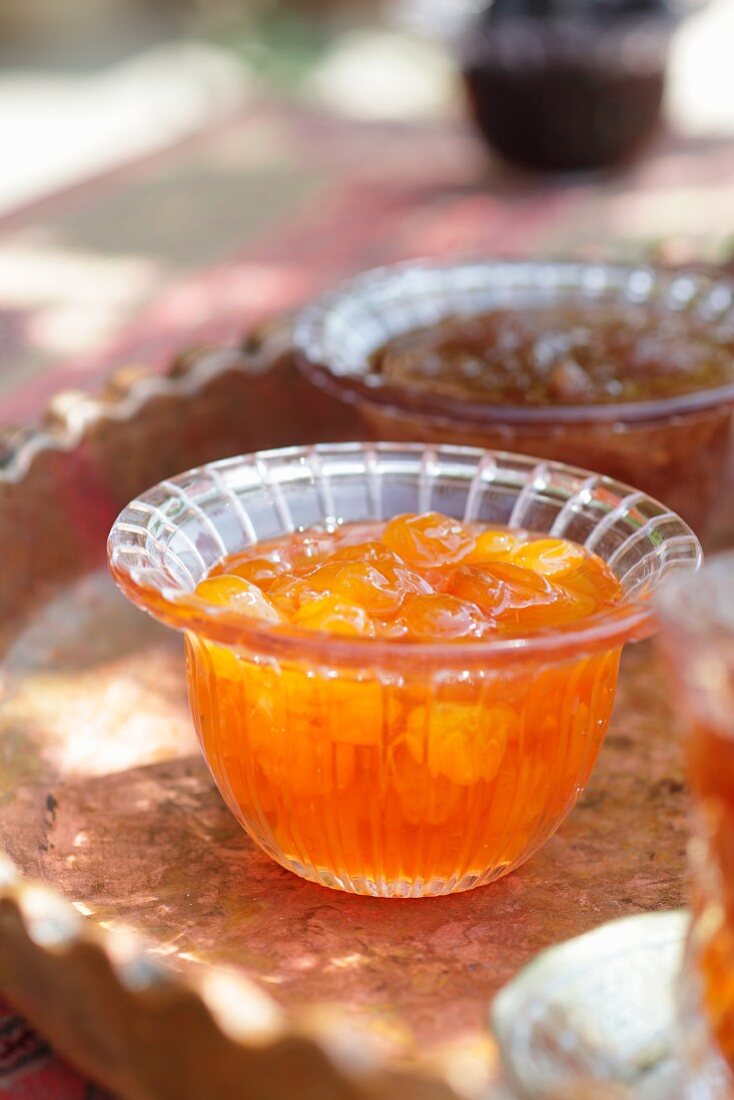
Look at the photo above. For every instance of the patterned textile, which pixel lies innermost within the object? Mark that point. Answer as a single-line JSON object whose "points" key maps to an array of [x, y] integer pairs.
{"points": [[254, 216], [29, 1070]]}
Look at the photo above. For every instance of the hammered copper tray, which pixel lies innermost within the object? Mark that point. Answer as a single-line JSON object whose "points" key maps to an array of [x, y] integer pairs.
{"points": [[254, 983]]}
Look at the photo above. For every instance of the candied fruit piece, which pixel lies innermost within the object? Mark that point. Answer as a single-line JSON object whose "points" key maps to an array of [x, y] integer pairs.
{"points": [[339, 709], [464, 742], [594, 583], [441, 616], [380, 588], [321, 580], [479, 586], [580, 604], [555, 558], [517, 598], [369, 551], [205, 658], [288, 593], [262, 709], [428, 540], [292, 593], [356, 708], [259, 571], [391, 585], [280, 719], [501, 589], [225, 663], [309, 548], [392, 628], [237, 594], [423, 800], [491, 545], [335, 616]]}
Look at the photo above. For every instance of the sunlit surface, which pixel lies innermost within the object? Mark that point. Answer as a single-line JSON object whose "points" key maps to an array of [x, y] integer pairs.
{"points": [[92, 714], [701, 92], [62, 126], [139, 837], [78, 298]]}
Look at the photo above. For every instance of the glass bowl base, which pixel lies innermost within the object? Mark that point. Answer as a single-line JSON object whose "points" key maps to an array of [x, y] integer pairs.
{"points": [[391, 888]]}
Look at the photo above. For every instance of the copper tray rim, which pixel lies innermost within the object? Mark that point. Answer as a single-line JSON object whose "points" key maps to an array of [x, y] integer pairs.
{"points": [[50, 934]]}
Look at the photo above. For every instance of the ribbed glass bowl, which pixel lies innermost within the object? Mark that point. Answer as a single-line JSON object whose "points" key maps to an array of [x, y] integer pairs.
{"points": [[391, 767], [674, 448]]}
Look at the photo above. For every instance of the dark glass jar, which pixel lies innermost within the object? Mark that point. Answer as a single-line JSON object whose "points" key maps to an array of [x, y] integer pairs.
{"points": [[567, 85]]}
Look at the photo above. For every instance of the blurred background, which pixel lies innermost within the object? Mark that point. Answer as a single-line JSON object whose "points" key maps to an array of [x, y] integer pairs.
{"points": [[178, 170]]}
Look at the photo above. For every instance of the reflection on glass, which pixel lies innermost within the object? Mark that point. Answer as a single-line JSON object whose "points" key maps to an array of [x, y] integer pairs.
{"points": [[697, 641]]}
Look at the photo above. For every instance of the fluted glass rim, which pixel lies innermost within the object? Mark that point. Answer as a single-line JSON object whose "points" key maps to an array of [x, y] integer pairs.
{"points": [[136, 553], [424, 291]]}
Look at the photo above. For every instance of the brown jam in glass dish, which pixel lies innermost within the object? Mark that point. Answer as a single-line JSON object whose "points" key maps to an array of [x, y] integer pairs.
{"points": [[591, 354], [629, 371]]}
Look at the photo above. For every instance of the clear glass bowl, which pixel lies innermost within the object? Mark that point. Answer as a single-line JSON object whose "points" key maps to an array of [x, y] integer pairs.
{"points": [[697, 642], [675, 449], [385, 767]]}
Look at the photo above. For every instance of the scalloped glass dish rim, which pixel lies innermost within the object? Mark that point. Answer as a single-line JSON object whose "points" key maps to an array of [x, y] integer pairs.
{"points": [[631, 620], [354, 387]]}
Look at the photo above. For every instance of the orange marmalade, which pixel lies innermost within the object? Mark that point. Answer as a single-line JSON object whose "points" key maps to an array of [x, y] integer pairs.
{"points": [[711, 770], [408, 779]]}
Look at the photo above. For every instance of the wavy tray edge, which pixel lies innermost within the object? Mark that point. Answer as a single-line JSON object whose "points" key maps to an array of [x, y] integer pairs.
{"points": [[104, 998]]}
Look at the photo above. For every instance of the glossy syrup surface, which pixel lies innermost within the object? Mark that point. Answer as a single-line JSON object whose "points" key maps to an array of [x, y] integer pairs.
{"points": [[418, 577], [409, 781]]}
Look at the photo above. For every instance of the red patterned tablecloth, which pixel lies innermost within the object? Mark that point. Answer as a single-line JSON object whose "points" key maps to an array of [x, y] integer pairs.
{"points": [[29, 1070], [251, 218]]}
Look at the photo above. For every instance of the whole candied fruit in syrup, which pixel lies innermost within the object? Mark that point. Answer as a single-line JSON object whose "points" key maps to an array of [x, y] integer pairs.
{"points": [[418, 577], [417, 779], [234, 593]]}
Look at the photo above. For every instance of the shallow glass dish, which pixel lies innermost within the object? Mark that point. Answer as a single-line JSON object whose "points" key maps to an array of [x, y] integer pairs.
{"points": [[674, 448], [595, 1016], [336, 753]]}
